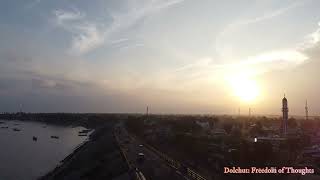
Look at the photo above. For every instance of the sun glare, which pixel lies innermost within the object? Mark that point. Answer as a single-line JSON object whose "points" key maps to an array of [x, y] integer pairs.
{"points": [[244, 88]]}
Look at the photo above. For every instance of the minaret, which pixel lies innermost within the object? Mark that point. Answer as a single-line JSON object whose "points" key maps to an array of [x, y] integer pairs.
{"points": [[306, 108], [284, 115]]}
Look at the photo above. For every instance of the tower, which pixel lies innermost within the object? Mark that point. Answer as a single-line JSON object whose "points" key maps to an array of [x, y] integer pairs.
{"points": [[285, 111], [306, 108]]}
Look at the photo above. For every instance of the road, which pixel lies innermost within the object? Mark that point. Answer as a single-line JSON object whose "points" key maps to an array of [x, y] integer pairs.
{"points": [[153, 167]]}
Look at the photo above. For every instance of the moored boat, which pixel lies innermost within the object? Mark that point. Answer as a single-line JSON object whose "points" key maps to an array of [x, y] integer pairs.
{"points": [[55, 137], [16, 129]]}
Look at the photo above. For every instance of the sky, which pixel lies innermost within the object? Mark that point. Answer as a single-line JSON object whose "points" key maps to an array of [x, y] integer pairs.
{"points": [[175, 56]]}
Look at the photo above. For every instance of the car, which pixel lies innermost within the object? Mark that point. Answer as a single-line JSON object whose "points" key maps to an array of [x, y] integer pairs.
{"points": [[140, 145], [141, 157]]}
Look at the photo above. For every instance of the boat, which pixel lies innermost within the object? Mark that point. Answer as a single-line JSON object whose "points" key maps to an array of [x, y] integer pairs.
{"points": [[16, 129], [4, 127], [34, 138], [84, 131], [55, 137]]}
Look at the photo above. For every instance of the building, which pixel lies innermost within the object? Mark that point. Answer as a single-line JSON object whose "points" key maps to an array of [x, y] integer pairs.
{"points": [[285, 111]]}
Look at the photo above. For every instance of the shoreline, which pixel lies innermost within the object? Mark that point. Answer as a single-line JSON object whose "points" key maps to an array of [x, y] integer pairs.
{"points": [[98, 157], [63, 162]]}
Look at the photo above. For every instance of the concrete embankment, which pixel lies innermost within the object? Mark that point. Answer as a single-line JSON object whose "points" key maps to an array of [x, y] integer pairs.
{"points": [[98, 158]]}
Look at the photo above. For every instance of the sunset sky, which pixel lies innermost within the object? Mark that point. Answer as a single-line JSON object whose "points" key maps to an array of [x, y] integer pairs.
{"points": [[177, 56]]}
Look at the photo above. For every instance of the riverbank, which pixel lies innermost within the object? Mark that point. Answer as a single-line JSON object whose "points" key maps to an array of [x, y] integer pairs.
{"points": [[97, 158], [31, 149], [87, 120]]}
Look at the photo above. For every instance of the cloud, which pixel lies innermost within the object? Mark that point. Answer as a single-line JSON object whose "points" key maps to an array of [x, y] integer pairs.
{"points": [[48, 84], [311, 39], [274, 60], [260, 63], [85, 35], [88, 35], [315, 36], [88, 38], [254, 65], [287, 56], [199, 63], [268, 15], [224, 49], [122, 40], [63, 17], [47, 94], [250, 66]]}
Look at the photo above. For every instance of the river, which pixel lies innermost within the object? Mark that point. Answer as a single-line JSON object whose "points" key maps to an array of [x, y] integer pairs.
{"points": [[23, 158]]}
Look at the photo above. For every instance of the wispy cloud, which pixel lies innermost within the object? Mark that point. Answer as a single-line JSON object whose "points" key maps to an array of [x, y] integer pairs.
{"points": [[260, 63], [274, 60], [88, 35], [254, 65], [85, 35], [267, 15], [311, 39], [117, 41], [89, 38], [223, 47], [199, 63], [63, 17]]}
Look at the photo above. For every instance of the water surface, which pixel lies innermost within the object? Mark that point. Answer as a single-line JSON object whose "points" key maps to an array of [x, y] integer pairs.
{"points": [[23, 158]]}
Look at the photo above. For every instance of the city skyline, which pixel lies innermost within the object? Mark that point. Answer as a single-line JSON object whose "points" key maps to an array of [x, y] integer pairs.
{"points": [[175, 56]]}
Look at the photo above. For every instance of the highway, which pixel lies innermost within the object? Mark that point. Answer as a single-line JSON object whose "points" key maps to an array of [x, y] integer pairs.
{"points": [[153, 167]]}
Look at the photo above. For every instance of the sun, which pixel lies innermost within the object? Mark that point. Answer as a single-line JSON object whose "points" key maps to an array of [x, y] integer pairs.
{"points": [[245, 88]]}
